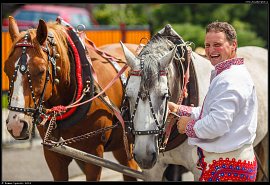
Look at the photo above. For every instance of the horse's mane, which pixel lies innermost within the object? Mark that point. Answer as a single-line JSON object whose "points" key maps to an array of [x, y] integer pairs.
{"points": [[155, 49]]}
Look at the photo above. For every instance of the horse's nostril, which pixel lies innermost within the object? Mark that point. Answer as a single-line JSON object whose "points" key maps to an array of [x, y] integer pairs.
{"points": [[154, 154], [7, 121], [134, 156], [25, 125], [136, 159]]}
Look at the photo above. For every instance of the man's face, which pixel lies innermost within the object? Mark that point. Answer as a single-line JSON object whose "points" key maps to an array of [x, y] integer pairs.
{"points": [[218, 48]]}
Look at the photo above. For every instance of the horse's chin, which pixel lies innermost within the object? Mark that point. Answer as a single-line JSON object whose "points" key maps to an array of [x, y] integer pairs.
{"points": [[146, 165], [21, 136]]}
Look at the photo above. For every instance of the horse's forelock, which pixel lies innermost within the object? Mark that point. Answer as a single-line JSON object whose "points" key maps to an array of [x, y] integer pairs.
{"points": [[151, 54]]}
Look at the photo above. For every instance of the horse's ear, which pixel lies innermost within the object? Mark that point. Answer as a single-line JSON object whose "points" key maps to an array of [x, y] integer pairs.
{"points": [[132, 61], [42, 32], [13, 28], [166, 60]]}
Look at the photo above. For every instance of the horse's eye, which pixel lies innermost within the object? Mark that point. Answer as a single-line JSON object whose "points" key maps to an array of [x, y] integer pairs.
{"points": [[39, 73]]}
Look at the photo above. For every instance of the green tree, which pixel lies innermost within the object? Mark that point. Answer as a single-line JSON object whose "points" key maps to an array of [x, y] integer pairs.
{"points": [[258, 17], [114, 14], [251, 20]]}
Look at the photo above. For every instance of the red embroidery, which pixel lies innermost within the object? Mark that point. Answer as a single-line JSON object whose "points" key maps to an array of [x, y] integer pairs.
{"points": [[227, 64], [184, 110], [227, 170], [189, 129]]}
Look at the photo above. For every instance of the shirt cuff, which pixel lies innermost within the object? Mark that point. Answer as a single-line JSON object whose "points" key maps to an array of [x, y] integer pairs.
{"points": [[184, 110], [189, 129]]}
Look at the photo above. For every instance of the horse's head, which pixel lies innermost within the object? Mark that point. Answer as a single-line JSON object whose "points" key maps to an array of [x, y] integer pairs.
{"points": [[30, 67], [147, 92]]}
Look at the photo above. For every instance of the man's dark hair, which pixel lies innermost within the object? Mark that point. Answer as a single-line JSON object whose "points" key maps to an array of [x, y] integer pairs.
{"points": [[223, 27]]}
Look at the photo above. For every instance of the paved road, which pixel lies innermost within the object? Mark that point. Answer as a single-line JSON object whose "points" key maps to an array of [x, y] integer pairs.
{"points": [[24, 163]]}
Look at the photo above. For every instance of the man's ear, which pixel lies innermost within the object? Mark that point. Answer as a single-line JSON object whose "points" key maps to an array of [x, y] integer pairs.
{"points": [[234, 44]]}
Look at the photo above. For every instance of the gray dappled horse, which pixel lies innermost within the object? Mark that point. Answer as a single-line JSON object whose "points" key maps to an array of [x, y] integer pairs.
{"points": [[154, 76]]}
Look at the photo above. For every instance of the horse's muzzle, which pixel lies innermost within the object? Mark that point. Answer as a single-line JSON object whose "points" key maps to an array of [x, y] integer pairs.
{"points": [[146, 163], [25, 133]]}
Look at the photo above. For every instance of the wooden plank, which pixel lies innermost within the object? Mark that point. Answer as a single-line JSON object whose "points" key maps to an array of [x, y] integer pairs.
{"points": [[89, 158]]}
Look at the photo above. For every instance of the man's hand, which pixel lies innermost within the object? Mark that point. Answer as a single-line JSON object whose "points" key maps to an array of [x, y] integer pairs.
{"points": [[172, 106], [182, 124]]}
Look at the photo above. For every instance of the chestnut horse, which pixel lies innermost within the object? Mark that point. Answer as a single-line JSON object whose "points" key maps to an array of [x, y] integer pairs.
{"points": [[44, 71]]}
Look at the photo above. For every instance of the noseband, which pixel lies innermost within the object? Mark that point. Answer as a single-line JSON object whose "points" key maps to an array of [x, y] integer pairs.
{"points": [[23, 67]]}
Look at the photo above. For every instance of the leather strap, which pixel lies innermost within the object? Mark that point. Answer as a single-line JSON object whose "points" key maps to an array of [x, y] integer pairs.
{"points": [[172, 119]]}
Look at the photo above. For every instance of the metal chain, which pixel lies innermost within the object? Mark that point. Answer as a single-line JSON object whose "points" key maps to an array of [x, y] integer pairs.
{"points": [[52, 125]]}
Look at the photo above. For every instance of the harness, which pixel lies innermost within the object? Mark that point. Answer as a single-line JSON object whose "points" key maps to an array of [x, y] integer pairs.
{"points": [[84, 82]]}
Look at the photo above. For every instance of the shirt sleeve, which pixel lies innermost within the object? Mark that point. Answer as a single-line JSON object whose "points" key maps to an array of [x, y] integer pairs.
{"points": [[223, 104], [193, 112]]}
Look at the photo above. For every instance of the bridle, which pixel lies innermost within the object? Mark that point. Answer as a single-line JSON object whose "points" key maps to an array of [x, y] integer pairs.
{"points": [[23, 67], [142, 95], [162, 132]]}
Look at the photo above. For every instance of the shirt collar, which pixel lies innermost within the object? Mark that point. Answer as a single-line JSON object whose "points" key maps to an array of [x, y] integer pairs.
{"points": [[227, 64]]}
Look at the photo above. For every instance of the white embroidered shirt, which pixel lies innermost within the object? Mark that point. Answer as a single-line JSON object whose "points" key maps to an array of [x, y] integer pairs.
{"points": [[228, 118]]}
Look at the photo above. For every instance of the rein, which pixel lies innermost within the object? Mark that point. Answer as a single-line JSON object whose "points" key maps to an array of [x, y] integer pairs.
{"points": [[62, 108], [172, 117]]}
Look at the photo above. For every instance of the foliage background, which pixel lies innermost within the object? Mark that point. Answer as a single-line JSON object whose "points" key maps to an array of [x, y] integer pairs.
{"points": [[190, 20]]}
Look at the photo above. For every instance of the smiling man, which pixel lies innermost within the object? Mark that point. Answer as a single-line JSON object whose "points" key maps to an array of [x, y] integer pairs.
{"points": [[224, 128], [220, 42]]}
